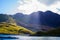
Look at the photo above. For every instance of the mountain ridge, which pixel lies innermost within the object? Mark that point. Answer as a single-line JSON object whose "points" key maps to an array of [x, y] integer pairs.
{"points": [[35, 19]]}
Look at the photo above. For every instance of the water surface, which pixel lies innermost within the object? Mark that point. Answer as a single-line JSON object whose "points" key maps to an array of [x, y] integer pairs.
{"points": [[19, 37]]}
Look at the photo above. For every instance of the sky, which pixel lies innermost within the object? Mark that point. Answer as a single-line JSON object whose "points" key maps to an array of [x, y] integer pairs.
{"points": [[8, 6], [28, 6]]}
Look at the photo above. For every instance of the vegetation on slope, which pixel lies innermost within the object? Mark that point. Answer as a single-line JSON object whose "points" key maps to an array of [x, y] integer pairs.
{"points": [[54, 32], [9, 28]]}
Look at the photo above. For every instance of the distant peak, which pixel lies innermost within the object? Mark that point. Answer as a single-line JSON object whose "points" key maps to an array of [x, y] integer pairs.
{"points": [[49, 11], [40, 11], [18, 13]]}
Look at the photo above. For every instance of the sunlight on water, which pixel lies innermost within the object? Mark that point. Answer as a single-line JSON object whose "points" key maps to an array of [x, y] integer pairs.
{"points": [[39, 38], [19, 37]]}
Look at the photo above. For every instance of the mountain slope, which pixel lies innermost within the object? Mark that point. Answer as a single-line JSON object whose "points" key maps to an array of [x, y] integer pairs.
{"points": [[50, 19], [9, 26], [38, 20]]}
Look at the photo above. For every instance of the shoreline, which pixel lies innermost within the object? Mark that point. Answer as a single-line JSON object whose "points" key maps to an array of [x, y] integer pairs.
{"points": [[8, 38], [8, 34]]}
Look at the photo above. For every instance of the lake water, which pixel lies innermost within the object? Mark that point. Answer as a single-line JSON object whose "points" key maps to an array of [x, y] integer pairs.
{"points": [[19, 37]]}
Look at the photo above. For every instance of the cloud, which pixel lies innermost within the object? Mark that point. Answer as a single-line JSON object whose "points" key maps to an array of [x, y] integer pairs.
{"points": [[48, 2], [29, 6]]}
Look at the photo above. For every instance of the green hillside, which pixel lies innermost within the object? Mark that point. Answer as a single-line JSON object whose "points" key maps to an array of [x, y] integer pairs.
{"points": [[9, 28]]}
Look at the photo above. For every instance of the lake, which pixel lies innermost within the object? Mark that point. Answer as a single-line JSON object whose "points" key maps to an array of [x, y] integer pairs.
{"points": [[19, 37]]}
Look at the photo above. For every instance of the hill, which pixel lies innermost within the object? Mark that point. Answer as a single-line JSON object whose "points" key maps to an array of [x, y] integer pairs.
{"points": [[9, 26]]}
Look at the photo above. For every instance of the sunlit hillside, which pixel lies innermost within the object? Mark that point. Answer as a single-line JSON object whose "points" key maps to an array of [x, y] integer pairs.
{"points": [[7, 28]]}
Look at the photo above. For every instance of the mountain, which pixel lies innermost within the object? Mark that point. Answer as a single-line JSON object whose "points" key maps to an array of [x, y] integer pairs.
{"points": [[34, 18], [50, 19], [38, 20], [6, 18], [21, 17], [22, 20], [47, 18], [18, 16], [9, 26]]}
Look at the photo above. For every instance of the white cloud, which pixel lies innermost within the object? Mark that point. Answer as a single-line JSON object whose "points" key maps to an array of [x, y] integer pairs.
{"points": [[48, 2], [29, 6]]}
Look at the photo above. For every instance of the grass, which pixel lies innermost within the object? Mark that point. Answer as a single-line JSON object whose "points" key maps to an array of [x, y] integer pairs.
{"points": [[9, 28]]}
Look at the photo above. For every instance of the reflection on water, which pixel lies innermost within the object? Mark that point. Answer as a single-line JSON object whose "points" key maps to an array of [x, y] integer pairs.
{"points": [[18, 37]]}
